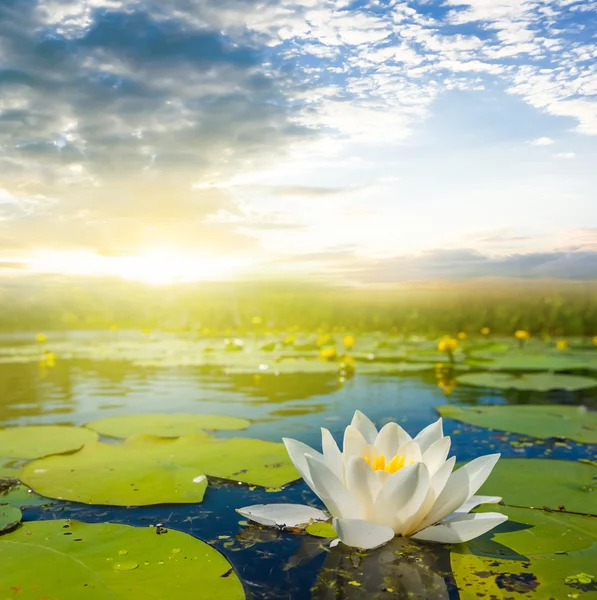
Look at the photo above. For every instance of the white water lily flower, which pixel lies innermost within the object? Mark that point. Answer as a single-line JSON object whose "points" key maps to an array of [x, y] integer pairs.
{"points": [[386, 483]]}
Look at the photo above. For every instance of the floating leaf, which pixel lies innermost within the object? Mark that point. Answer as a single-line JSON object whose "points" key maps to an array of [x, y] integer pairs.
{"points": [[68, 559], [389, 368], [521, 360], [539, 382], [10, 517], [164, 425], [323, 530], [20, 495], [131, 474], [152, 470], [541, 577], [542, 482], [35, 441], [529, 532], [572, 422]]}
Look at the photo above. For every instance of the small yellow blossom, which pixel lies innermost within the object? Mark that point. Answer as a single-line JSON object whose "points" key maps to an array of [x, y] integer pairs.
{"points": [[348, 341], [146, 331], [49, 359], [447, 344], [595, 340], [485, 331], [41, 338], [113, 327], [562, 344], [256, 321], [289, 340], [462, 336], [522, 335], [328, 353]]}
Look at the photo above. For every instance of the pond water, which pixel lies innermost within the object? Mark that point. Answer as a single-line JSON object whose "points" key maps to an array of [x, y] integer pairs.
{"points": [[74, 389]]}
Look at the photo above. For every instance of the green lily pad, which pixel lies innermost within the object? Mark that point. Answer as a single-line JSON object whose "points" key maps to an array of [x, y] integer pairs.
{"points": [[35, 441], [164, 425], [9, 469], [541, 577], [521, 360], [10, 517], [539, 382], [108, 561], [153, 470], [530, 532], [381, 368], [322, 529], [542, 482], [572, 422], [285, 366], [20, 495]]}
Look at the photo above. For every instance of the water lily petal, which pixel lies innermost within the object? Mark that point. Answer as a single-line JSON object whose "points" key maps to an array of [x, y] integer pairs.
{"points": [[475, 501], [390, 437], [430, 434], [461, 485], [354, 442], [331, 454], [362, 483], [435, 456], [436, 485], [461, 529], [411, 452], [332, 492], [365, 426], [297, 451], [401, 496], [362, 534], [284, 515]]}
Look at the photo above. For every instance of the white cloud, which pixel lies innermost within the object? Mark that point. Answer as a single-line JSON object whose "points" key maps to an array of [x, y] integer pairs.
{"points": [[565, 155], [542, 141]]}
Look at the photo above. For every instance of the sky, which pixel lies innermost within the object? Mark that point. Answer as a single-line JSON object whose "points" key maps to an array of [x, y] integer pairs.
{"points": [[365, 142]]}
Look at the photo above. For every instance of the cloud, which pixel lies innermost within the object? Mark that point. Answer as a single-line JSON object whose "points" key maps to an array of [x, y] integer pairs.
{"points": [[542, 141], [126, 124], [470, 264]]}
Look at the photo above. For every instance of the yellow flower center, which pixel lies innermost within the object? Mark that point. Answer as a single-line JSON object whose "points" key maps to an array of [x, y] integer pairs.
{"points": [[378, 463]]}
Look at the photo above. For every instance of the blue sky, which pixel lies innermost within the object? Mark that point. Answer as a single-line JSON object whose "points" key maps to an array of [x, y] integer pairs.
{"points": [[378, 141]]}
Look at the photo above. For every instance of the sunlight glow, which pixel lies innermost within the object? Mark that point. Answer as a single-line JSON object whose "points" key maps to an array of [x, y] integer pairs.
{"points": [[155, 267]]}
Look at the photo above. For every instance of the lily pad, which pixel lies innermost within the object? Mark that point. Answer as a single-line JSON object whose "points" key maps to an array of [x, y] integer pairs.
{"points": [[20, 495], [153, 470], [539, 382], [108, 561], [542, 577], [529, 532], [35, 441], [521, 360], [572, 422], [322, 530], [389, 368], [164, 425], [10, 517], [541, 482]]}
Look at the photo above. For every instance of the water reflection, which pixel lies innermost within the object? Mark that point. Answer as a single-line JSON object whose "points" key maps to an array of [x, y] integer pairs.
{"points": [[399, 570]]}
